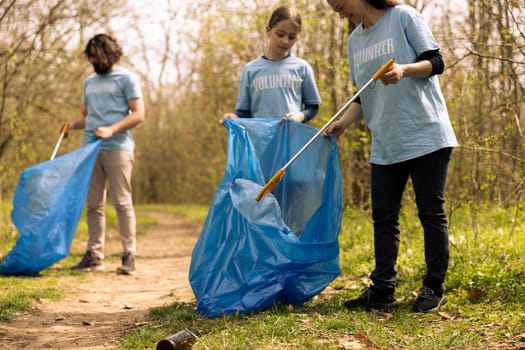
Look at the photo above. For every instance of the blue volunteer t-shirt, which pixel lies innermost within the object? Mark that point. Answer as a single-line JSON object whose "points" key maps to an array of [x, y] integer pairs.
{"points": [[106, 97], [408, 119], [270, 89]]}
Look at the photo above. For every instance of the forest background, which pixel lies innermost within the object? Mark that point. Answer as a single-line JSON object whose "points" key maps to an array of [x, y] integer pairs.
{"points": [[189, 57]]}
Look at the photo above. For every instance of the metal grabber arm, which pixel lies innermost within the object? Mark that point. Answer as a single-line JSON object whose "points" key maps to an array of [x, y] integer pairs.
{"points": [[63, 132], [277, 177]]}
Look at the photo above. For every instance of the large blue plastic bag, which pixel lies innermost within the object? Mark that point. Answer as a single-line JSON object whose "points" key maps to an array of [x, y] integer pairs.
{"points": [[283, 249], [47, 206]]}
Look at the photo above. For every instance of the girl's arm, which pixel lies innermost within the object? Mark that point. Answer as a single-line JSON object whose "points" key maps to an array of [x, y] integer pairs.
{"points": [[305, 115], [310, 111]]}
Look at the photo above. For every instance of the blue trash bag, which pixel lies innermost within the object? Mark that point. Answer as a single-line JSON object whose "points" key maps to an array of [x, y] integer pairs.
{"points": [[47, 206], [284, 248]]}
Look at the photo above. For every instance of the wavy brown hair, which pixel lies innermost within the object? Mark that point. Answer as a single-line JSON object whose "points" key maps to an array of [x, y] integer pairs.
{"points": [[103, 51]]}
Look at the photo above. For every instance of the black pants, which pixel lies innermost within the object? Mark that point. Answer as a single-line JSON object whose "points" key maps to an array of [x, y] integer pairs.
{"points": [[428, 174]]}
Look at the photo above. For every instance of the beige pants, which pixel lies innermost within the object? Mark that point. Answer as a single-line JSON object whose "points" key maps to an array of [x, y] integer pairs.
{"points": [[114, 167]]}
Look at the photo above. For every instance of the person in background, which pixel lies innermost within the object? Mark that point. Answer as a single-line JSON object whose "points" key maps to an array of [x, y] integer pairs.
{"points": [[112, 104], [278, 84], [412, 137]]}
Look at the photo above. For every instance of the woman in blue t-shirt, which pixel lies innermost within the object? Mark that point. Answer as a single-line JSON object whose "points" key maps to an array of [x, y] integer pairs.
{"points": [[278, 84], [412, 137]]}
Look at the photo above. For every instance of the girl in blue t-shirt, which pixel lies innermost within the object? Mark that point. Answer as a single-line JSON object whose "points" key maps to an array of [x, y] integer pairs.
{"points": [[278, 84], [412, 137]]}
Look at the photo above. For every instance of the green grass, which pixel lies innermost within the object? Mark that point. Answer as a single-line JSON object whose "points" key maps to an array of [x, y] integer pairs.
{"points": [[485, 291], [19, 294], [194, 212]]}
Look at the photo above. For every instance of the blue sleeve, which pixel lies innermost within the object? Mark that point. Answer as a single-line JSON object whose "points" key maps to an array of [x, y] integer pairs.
{"points": [[132, 88], [244, 100], [417, 31], [310, 94]]}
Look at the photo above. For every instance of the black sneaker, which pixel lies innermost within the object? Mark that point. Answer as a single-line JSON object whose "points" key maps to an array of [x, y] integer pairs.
{"points": [[371, 299], [90, 263], [128, 264], [427, 300]]}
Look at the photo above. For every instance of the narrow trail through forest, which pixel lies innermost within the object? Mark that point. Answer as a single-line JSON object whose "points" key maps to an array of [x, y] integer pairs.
{"points": [[103, 306]]}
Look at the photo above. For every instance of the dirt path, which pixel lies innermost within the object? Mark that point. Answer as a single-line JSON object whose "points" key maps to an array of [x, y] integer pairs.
{"points": [[104, 306]]}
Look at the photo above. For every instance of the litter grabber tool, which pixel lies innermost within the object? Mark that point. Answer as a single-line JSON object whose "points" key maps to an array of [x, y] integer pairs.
{"points": [[63, 132], [276, 178]]}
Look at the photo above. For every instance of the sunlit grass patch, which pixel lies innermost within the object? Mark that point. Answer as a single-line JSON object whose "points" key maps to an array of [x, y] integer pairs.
{"points": [[194, 212], [485, 290], [19, 293]]}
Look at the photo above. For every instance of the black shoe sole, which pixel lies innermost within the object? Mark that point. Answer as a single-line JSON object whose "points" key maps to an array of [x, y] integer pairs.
{"points": [[352, 306], [442, 302]]}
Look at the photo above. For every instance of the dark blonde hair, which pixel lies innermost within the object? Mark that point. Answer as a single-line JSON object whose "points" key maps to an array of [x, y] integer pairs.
{"points": [[284, 13]]}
